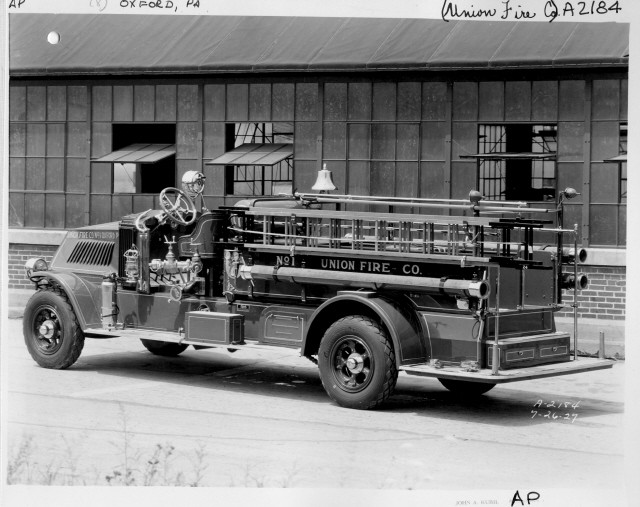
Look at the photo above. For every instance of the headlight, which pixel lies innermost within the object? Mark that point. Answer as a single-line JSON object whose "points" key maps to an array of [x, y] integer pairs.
{"points": [[193, 183], [35, 264]]}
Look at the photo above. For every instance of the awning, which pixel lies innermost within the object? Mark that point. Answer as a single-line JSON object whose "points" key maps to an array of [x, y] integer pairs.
{"points": [[255, 154], [114, 44], [619, 158], [512, 156], [139, 154]]}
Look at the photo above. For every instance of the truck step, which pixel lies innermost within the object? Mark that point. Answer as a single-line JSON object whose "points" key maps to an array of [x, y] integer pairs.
{"points": [[511, 375]]}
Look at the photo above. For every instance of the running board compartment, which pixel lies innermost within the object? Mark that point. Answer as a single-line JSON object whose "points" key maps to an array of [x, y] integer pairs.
{"points": [[213, 328], [530, 350]]}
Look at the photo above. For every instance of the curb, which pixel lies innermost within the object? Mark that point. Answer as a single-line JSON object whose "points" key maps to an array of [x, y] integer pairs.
{"points": [[18, 300]]}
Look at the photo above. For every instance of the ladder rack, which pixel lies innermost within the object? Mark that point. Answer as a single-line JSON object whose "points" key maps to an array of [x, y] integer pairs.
{"points": [[504, 240]]}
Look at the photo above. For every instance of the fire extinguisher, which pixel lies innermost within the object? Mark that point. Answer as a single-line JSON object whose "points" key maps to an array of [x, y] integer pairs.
{"points": [[109, 301]]}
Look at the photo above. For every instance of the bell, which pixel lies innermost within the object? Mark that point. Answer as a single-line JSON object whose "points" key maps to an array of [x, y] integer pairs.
{"points": [[324, 183]]}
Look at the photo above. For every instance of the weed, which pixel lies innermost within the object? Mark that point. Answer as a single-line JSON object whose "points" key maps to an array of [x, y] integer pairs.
{"points": [[50, 473], [19, 465], [291, 475], [124, 475], [198, 465]]}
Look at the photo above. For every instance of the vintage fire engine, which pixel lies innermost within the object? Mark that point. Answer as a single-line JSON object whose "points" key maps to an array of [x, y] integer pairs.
{"points": [[467, 297]]}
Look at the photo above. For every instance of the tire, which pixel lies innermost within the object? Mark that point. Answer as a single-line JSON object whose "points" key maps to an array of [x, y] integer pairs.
{"points": [[51, 330], [357, 363], [466, 389], [166, 349]]}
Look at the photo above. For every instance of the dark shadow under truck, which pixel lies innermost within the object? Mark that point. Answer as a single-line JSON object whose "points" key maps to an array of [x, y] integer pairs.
{"points": [[468, 298]]}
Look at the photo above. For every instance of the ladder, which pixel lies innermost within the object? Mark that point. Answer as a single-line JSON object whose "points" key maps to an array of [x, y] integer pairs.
{"points": [[502, 235]]}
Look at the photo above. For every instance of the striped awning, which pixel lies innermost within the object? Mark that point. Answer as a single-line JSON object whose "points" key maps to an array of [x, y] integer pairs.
{"points": [[139, 154], [255, 154]]}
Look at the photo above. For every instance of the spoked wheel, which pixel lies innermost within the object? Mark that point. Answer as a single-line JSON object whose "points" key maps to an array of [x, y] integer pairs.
{"points": [[51, 330], [160, 348], [357, 363], [468, 389]]}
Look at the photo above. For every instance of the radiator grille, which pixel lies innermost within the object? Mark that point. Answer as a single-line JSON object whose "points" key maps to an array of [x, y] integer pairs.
{"points": [[92, 252]]}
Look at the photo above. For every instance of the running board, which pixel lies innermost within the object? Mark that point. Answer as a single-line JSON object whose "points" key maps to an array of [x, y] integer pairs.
{"points": [[511, 375], [174, 337]]}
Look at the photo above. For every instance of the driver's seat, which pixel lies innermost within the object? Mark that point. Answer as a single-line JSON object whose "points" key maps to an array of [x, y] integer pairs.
{"points": [[208, 230]]}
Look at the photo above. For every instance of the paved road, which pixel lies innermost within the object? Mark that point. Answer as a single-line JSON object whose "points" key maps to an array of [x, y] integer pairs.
{"points": [[262, 419]]}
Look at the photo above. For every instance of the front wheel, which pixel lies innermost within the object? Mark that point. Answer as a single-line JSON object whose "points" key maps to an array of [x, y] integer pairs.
{"points": [[465, 388], [357, 363], [51, 331], [166, 349]]}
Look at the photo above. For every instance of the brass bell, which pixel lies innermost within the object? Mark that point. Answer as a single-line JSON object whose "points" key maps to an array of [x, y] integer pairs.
{"points": [[324, 183]]}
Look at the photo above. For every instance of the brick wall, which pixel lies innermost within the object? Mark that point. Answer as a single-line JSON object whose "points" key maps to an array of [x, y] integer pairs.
{"points": [[18, 255], [605, 296]]}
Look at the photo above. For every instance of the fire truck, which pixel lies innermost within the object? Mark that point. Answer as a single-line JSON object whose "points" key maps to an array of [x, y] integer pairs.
{"points": [[464, 291]]}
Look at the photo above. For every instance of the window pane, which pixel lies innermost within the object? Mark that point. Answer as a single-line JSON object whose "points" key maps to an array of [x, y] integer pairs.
{"points": [[124, 178], [260, 180], [604, 224], [334, 141], [524, 177], [408, 141], [383, 141], [384, 101], [359, 141]]}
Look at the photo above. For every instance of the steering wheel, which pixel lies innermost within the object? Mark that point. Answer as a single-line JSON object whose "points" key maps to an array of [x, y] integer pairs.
{"points": [[176, 204]]}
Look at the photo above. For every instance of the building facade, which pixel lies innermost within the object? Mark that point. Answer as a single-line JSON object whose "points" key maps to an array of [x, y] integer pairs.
{"points": [[89, 144]]}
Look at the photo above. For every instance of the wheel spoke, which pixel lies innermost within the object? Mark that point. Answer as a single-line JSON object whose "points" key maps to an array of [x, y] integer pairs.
{"points": [[352, 345], [50, 339]]}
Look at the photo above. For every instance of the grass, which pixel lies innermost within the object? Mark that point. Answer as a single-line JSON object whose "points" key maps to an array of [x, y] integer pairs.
{"points": [[160, 465]]}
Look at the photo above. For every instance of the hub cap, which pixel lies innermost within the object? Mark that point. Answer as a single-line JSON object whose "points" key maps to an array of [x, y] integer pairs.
{"points": [[47, 329], [352, 363], [47, 332]]}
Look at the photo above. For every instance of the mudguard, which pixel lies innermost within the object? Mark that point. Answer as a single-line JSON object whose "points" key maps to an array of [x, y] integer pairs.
{"points": [[405, 332], [83, 295]]}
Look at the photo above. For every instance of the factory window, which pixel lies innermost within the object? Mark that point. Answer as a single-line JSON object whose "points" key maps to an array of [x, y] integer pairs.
{"points": [[143, 158], [517, 161], [259, 158], [622, 150]]}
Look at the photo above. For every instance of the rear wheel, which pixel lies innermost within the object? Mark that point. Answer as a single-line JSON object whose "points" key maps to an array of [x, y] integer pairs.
{"points": [[464, 388], [357, 363], [161, 348], [51, 331]]}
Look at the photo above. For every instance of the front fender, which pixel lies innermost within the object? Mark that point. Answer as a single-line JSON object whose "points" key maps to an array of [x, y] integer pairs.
{"points": [[406, 333], [83, 295]]}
